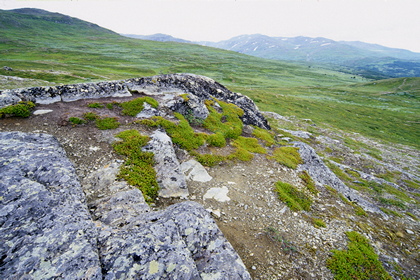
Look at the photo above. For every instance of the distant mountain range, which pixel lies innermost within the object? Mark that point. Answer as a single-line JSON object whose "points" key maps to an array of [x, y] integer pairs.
{"points": [[369, 60]]}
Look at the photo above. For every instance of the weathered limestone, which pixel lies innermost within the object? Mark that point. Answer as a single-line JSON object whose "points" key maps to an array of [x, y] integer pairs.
{"points": [[197, 88], [170, 178], [181, 242], [46, 230], [324, 176]]}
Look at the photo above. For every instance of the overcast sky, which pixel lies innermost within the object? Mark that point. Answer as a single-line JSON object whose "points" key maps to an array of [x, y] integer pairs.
{"points": [[392, 23]]}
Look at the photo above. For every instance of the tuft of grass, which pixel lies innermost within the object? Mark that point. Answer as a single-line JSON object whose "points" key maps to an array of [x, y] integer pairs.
{"points": [[107, 123], [23, 110], [359, 211], [294, 198], [308, 182], [95, 105], [288, 156], [318, 223], [138, 167], [90, 116], [75, 120], [249, 144], [390, 212], [265, 135], [359, 261], [208, 159], [135, 106], [275, 236]]}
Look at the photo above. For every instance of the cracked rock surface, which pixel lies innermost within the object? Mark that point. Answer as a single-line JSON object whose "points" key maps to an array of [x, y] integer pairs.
{"points": [[48, 231]]}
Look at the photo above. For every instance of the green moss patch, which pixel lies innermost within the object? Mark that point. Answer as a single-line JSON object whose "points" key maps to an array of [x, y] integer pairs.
{"points": [[359, 261], [23, 110], [75, 120], [293, 197], [181, 133], [107, 123], [228, 122], [138, 167], [288, 156], [308, 182], [135, 106], [265, 135]]}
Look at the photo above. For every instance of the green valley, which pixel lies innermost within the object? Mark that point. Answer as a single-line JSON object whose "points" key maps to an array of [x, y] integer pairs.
{"points": [[46, 48]]}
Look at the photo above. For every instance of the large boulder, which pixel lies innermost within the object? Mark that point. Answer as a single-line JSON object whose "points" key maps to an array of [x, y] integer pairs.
{"points": [[48, 232], [46, 229], [202, 87]]}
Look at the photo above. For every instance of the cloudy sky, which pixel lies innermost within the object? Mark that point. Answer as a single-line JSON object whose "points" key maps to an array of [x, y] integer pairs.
{"points": [[392, 23]]}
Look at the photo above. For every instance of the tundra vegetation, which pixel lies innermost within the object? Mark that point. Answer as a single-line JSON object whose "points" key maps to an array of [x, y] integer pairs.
{"points": [[361, 123]]}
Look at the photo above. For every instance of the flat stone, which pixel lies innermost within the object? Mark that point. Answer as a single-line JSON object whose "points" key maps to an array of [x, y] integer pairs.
{"points": [[42, 112], [194, 171], [219, 194]]}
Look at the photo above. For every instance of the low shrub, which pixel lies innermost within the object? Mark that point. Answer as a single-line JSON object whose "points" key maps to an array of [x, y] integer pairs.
{"points": [[359, 261], [137, 169], [308, 182], [293, 197], [23, 110], [107, 123], [288, 156], [75, 120], [95, 105], [135, 106]]}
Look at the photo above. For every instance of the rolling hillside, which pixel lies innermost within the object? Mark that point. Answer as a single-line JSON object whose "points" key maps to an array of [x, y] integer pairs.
{"points": [[45, 48]]}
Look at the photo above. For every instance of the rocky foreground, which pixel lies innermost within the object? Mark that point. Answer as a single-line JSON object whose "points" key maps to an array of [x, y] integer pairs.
{"points": [[64, 213]]}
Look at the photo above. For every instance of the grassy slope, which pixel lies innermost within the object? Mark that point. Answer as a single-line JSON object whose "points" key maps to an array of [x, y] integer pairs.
{"points": [[60, 49]]}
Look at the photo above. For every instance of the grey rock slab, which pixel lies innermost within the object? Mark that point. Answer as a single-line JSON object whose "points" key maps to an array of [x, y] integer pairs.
{"points": [[46, 230], [180, 242], [320, 173], [194, 171], [113, 202], [170, 178]]}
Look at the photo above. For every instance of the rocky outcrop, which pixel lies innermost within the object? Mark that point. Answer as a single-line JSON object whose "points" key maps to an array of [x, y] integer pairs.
{"points": [[199, 88], [316, 168], [46, 229], [50, 229]]}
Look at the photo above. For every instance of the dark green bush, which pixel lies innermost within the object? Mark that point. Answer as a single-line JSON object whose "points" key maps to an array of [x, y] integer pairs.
{"points": [[22, 109]]}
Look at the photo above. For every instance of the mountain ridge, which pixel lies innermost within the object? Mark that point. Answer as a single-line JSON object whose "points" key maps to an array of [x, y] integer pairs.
{"points": [[369, 60]]}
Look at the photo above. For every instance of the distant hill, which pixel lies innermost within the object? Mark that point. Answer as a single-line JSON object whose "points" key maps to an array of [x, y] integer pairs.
{"points": [[369, 60], [21, 21], [159, 37]]}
